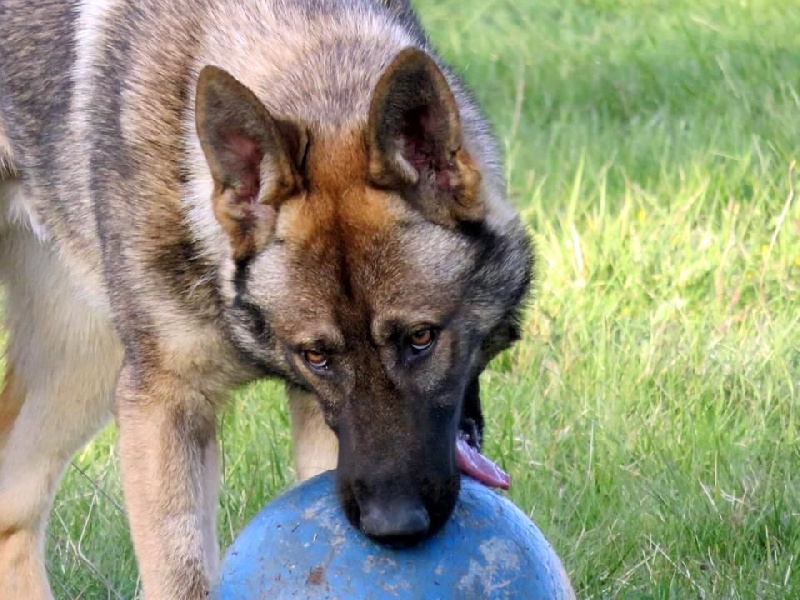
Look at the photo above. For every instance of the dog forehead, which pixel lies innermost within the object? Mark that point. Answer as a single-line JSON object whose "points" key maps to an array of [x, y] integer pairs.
{"points": [[336, 199], [361, 268], [412, 275], [371, 239], [354, 254]]}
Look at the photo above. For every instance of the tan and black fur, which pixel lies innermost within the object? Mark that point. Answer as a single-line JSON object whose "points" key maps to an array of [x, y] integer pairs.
{"points": [[198, 193]]}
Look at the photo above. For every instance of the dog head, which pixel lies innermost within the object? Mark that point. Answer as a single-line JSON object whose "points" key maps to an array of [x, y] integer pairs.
{"points": [[366, 272]]}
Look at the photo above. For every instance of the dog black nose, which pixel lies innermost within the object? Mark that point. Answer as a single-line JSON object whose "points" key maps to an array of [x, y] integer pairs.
{"points": [[397, 523]]}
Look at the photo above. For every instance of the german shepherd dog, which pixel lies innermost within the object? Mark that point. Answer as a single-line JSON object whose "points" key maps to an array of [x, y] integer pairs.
{"points": [[198, 193]]}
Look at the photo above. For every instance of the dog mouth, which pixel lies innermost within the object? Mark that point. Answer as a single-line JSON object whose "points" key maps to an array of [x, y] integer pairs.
{"points": [[390, 521], [472, 462]]}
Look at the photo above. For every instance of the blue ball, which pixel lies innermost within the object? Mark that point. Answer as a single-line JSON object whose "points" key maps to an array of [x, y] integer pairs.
{"points": [[302, 546]]}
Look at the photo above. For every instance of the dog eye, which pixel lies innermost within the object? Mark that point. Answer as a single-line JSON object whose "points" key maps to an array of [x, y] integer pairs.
{"points": [[422, 339], [316, 360]]}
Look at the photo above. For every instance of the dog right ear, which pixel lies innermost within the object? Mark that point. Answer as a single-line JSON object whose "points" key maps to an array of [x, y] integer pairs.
{"points": [[251, 155], [415, 142]]}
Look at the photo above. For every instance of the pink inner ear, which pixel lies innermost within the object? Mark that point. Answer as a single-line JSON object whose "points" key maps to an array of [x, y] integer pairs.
{"points": [[421, 148], [421, 153], [242, 159]]}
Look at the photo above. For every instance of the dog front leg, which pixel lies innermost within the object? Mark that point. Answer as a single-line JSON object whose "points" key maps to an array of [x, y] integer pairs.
{"points": [[167, 441], [315, 446]]}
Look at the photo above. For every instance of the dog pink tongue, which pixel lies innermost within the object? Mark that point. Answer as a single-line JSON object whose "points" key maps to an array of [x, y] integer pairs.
{"points": [[476, 465]]}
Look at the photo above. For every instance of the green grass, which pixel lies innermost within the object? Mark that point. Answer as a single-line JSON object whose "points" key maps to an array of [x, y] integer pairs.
{"points": [[649, 417]]}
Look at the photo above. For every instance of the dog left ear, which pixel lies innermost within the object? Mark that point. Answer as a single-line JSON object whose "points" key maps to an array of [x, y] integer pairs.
{"points": [[414, 139], [253, 158]]}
